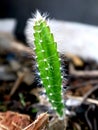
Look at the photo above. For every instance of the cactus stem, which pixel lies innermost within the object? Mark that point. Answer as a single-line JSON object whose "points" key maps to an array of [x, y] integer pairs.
{"points": [[48, 62]]}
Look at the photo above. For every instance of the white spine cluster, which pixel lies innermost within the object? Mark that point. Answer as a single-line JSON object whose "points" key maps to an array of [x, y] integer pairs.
{"points": [[29, 31]]}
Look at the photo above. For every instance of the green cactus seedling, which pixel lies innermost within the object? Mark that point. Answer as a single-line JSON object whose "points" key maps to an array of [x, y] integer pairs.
{"points": [[48, 62]]}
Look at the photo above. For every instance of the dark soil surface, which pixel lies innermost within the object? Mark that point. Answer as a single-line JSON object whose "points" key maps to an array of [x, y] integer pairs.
{"points": [[20, 89]]}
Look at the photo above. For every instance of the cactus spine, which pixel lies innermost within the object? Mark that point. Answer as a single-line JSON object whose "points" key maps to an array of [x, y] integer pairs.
{"points": [[48, 63]]}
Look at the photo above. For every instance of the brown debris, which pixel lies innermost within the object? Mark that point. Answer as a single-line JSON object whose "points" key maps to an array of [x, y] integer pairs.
{"points": [[9, 43], [82, 90], [75, 59], [17, 83], [13, 121], [87, 73], [41, 123]]}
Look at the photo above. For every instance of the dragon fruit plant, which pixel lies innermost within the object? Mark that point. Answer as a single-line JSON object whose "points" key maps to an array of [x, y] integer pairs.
{"points": [[48, 62]]}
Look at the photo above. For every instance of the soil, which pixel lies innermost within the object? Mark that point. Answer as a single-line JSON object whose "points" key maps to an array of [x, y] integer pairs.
{"points": [[21, 91]]}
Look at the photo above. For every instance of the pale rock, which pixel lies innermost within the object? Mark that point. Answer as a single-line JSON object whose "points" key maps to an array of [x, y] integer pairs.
{"points": [[71, 37]]}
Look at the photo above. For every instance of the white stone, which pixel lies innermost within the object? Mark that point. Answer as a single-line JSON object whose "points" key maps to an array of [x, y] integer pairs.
{"points": [[72, 37]]}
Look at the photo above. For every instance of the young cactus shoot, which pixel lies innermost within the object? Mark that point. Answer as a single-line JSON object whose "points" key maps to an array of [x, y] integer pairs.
{"points": [[48, 62]]}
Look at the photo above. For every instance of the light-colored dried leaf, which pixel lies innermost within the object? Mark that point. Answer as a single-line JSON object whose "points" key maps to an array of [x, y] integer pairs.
{"points": [[41, 123]]}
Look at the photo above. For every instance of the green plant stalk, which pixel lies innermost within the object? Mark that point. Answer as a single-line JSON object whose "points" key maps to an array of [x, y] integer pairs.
{"points": [[48, 63]]}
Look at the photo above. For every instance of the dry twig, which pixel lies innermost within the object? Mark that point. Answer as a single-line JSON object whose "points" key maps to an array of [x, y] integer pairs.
{"points": [[41, 123], [93, 73]]}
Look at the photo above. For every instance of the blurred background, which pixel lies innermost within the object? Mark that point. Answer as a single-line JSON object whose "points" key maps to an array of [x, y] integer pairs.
{"points": [[85, 11], [75, 24]]}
